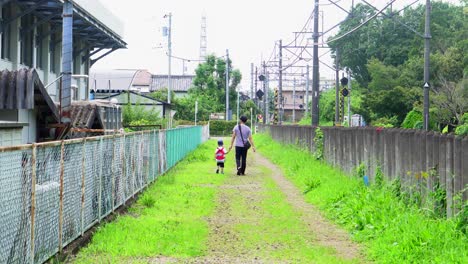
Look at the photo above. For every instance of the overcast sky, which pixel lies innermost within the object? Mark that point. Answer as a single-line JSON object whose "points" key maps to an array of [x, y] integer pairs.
{"points": [[248, 28]]}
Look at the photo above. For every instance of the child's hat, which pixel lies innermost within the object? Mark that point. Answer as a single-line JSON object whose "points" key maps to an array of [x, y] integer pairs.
{"points": [[220, 142]]}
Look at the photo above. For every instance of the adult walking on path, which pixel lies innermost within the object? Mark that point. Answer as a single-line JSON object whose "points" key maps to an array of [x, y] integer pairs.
{"points": [[242, 136]]}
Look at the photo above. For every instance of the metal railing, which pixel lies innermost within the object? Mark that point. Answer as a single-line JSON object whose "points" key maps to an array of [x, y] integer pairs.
{"points": [[52, 193]]}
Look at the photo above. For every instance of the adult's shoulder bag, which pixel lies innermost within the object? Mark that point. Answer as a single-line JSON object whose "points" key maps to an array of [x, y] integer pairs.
{"points": [[246, 143]]}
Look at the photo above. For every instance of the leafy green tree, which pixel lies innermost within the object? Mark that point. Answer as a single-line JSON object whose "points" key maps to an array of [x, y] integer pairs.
{"points": [[450, 102], [209, 89], [161, 95], [137, 115]]}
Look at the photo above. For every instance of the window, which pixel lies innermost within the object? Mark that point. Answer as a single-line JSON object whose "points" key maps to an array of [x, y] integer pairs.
{"points": [[6, 33], [39, 48], [26, 37], [52, 53]]}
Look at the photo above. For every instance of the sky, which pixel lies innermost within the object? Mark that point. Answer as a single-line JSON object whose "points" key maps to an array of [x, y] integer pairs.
{"points": [[248, 28]]}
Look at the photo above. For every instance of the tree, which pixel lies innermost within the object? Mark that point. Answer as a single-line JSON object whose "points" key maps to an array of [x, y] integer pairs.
{"points": [[450, 101], [209, 88], [161, 95]]}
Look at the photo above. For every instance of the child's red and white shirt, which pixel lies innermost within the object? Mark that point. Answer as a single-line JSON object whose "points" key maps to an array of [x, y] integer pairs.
{"points": [[220, 154]]}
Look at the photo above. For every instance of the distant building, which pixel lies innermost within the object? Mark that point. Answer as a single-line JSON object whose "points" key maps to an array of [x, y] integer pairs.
{"points": [[107, 83], [298, 104], [180, 84], [31, 64], [134, 98]]}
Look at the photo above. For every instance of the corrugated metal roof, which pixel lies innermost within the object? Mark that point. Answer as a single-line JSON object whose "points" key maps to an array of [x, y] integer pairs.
{"points": [[23, 89], [118, 80], [91, 19], [180, 83]]}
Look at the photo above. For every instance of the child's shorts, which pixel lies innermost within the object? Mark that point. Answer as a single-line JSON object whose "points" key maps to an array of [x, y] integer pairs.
{"points": [[220, 164]]}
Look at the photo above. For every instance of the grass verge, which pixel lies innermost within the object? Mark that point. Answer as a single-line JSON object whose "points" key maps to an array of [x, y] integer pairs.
{"points": [[392, 230], [167, 220]]}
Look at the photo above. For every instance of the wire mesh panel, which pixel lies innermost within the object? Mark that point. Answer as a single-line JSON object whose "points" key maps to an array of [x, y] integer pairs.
{"points": [[46, 231], [146, 157], [72, 186], [92, 164], [106, 176], [77, 183], [119, 195], [15, 205], [162, 152], [129, 165], [153, 156], [139, 177]]}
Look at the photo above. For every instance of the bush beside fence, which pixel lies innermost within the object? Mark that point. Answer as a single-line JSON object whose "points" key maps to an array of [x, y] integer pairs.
{"points": [[51, 193], [223, 128], [421, 160]]}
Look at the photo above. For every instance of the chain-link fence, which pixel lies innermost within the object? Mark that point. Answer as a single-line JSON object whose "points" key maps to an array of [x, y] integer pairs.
{"points": [[51, 193]]}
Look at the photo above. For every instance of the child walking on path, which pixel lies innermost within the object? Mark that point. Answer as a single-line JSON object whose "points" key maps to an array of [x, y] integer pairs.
{"points": [[220, 155]]}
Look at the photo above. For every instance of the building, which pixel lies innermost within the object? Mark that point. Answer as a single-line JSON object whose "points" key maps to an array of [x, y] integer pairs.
{"points": [[135, 98], [47, 49], [107, 83], [297, 104], [180, 84]]}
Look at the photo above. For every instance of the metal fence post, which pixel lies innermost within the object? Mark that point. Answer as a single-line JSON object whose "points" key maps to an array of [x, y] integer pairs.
{"points": [[133, 170], [62, 167], [83, 175], [124, 168], [148, 177], [33, 198], [100, 181], [113, 174]]}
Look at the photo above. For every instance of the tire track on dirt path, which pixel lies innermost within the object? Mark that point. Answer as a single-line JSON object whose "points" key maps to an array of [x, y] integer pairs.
{"points": [[225, 244], [326, 233]]}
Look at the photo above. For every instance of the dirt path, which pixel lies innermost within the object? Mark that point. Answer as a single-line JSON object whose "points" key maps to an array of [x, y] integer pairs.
{"points": [[241, 213], [325, 232]]}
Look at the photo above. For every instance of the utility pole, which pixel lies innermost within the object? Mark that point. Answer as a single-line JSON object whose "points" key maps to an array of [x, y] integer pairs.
{"points": [[227, 85], [427, 38], [265, 98], [307, 90], [169, 82], [342, 106], [349, 97], [294, 102], [252, 81], [315, 81], [196, 111], [337, 88], [169, 46], [280, 82], [256, 85], [238, 96]]}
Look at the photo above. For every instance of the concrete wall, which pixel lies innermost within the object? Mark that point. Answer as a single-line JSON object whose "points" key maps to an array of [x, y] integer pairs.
{"points": [[406, 154], [10, 137]]}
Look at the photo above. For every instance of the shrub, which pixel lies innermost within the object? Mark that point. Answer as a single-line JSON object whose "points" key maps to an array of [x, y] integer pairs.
{"points": [[318, 140], [148, 200], [223, 128], [412, 119], [462, 129]]}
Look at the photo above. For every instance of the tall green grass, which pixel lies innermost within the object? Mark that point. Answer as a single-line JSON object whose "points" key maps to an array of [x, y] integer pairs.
{"points": [[392, 230], [167, 220]]}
